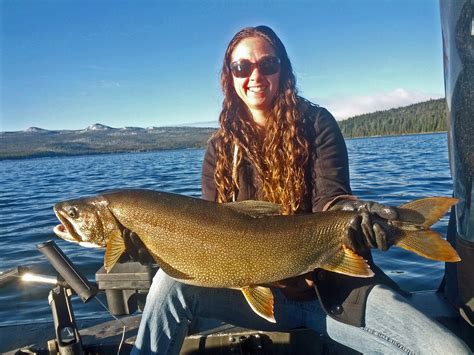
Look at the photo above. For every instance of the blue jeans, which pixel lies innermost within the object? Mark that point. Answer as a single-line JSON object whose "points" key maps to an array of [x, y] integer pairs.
{"points": [[393, 326]]}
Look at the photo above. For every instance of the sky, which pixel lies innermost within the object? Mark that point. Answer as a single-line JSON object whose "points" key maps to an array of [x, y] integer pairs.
{"points": [[67, 64]]}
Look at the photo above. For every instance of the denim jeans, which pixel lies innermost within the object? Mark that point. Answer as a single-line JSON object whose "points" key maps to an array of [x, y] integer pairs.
{"points": [[393, 326]]}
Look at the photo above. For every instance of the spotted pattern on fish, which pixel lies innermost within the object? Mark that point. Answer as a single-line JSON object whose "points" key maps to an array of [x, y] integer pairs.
{"points": [[215, 245]]}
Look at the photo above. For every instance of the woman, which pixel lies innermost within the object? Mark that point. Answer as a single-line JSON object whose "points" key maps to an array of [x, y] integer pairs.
{"points": [[273, 145]]}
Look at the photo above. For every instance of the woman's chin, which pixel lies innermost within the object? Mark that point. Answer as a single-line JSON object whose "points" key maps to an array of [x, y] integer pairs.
{"points": [[258, 104]]}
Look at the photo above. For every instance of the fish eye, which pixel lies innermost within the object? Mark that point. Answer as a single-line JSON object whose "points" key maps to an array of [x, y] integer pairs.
{"points": [[72, 212]]}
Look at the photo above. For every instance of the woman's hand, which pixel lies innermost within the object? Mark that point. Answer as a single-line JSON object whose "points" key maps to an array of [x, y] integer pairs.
{"points": [[363, 233], [135, 250]]}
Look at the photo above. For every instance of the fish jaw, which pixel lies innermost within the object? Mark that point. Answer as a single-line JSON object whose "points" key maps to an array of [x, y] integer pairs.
{"points": [[65, 230], [83, 221], [62, 233]]}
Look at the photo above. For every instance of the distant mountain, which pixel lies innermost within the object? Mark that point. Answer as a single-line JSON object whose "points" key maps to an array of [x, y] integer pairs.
{"points": [[98, 127], [423, 117], [428, 116], [132, 129], [37, 130], [214, 124], [97, 139]]}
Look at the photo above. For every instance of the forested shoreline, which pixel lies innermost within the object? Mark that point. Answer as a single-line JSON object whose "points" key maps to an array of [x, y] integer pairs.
{"points": [[424, 117]]}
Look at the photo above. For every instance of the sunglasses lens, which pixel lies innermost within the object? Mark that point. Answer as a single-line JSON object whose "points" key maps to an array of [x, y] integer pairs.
{"points": [[241, 69], [269, 65]]}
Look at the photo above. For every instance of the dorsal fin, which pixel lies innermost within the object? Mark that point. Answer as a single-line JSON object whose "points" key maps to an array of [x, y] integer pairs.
{"points": [[254, 208]]}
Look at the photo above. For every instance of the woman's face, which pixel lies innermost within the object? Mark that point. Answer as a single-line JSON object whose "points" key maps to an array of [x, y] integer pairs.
{"points": [[257, 90]]}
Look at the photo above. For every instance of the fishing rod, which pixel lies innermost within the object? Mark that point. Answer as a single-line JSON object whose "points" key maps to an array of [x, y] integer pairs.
{"points": [[69, 281]]}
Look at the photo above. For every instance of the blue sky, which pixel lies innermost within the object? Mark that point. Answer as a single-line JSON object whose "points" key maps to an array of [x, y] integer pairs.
{"points": [[67, 64]]}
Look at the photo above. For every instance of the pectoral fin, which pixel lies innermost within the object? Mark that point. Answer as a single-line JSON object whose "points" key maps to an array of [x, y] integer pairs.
{"points": [[113, 251], [347, 262], [260, 300]]}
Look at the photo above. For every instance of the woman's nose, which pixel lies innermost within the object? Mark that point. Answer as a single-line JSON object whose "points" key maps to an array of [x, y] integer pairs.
{"points": [[255, 75]]}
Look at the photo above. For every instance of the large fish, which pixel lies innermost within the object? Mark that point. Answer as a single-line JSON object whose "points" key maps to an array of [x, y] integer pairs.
{"points": [[241, 245]]}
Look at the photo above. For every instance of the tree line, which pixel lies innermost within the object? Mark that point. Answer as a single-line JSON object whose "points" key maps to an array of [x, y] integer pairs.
{"points": [[423, 117]]}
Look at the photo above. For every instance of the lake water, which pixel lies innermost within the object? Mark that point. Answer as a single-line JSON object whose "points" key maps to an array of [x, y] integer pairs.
{"points": [[391, 170]]}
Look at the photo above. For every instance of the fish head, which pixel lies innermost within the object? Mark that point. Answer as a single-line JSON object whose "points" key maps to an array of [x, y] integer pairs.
{"points": [[86, 221]]}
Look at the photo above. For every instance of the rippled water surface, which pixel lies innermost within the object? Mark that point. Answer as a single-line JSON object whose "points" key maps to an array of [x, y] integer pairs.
{"points": [[392, 170]]}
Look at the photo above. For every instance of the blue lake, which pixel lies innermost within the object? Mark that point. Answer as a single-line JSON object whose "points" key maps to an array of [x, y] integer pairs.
{"points": [[391, 170]]}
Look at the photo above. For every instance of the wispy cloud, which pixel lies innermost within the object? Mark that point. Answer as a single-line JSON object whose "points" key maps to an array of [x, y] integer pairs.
{"points": [[95, 67], [109, 84], [343, 107]]}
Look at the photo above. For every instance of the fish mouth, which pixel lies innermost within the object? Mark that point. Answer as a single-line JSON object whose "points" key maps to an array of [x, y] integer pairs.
{"points": [[65, 230]]}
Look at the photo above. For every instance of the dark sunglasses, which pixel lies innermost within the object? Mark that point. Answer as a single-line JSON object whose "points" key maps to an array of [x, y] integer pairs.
{"points": [[267, 66]]}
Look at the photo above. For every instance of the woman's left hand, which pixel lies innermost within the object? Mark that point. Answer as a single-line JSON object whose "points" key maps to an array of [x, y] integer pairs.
{"points": [[363, 233]]}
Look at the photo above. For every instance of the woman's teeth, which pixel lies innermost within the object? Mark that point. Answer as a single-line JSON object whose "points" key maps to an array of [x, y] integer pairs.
{"points": [[257, 88]]}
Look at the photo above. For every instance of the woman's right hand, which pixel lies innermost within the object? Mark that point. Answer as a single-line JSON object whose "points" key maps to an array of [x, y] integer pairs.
{"points": [[135, 250]]}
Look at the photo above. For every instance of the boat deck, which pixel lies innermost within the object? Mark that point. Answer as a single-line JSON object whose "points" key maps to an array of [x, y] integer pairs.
{"points": [[102, 336]]}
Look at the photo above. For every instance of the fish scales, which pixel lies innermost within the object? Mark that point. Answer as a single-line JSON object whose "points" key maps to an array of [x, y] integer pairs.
{"points": [[241, 245], [208, 238]]}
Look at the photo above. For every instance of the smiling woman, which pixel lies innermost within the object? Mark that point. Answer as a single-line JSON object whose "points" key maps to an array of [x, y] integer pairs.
{"points": [[256, 75], [261, 119], [273, 145]]}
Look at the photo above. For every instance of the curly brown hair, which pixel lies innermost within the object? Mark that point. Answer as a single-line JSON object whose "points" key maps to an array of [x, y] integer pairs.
{"points": [[280, 157]]}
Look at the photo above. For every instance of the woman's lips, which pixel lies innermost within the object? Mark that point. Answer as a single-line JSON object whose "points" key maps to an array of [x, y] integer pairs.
{"points": [[258, 92], [256, 89]]}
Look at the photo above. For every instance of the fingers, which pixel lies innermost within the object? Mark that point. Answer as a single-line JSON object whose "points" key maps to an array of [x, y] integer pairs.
{"points": [[349, 239], [130, 244], [375, 236], [376, 208], [135, 248], [137, 242], [353, 237], [362, 234], [368, 230], [383, 211], [144, 257], [125, 257], [380, 237]]}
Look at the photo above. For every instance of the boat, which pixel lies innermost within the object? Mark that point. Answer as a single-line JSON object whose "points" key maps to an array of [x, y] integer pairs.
{"points": [[457, 23], [126, 286]]}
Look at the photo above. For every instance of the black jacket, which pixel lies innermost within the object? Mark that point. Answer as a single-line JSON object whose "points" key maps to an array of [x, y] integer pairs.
{"points": [[327, 178]]}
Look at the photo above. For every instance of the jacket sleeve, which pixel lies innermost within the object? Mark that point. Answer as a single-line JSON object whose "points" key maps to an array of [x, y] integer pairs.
{"points": [[329, 163], [208, 185]]}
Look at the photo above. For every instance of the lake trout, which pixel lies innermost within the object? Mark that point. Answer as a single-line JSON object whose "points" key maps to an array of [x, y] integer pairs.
{"points": [[241, 245]]}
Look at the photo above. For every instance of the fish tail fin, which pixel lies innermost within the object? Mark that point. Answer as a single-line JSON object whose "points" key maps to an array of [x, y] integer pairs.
{"points": [[347, 262], [115, 248], [429, 244], [415, 220], [425, 211]]}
